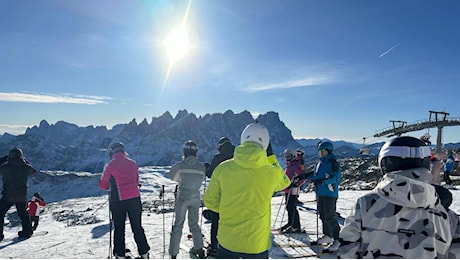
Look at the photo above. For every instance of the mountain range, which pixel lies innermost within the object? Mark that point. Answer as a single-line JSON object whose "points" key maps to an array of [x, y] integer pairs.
{"points": [[68, 147]]}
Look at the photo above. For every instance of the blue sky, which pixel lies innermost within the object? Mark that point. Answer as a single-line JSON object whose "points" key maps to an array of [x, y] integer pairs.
{"points": [[331, 69]]}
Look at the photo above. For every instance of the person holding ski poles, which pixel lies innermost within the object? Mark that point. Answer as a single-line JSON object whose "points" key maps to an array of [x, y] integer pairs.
{"points": [[16, 172], [33, 208], [293, 171], [404, 216], [241, 190], [189, 173], [326, 178], [226, 150], [121, 178]]}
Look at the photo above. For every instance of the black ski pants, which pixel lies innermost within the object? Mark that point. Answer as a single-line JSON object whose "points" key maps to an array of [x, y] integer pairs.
{"points": [[447, 177], [214, 229], [327, 214], [223, 253], [293, 213], [34, 221], [22, 213], [133, 209]]}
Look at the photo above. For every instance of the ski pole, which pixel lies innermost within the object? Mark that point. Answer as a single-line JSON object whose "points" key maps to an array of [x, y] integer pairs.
{"points": [[277, 213], [202, 204], [317, 219], [287, 201], [174, 211], [163, 201], [110, 230]]}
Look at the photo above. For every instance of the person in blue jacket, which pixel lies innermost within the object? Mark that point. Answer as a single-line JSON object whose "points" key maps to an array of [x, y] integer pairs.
{"points": [[449, 167], [326, 178]]}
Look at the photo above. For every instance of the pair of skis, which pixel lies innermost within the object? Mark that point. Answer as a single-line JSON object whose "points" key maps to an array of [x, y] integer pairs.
{"points": [[295, 245], [340, 218]]}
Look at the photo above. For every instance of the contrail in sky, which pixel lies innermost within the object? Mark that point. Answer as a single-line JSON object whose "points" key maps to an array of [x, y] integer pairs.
{"points": [[390, 49]]}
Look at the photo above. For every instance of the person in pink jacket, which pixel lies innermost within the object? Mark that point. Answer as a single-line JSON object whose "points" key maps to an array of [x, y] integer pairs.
{"points": [[297, 176], [33, 208], [121, 178]]}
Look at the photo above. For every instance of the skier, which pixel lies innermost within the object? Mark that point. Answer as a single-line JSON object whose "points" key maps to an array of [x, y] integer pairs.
{"points": [[299, 157], [15, 174], [33, 207], [436, 166], [121, 178], [326, 178], [240, 190], [449, 167], [293, 171], [403, 217], [189, 173], [226, 150]]}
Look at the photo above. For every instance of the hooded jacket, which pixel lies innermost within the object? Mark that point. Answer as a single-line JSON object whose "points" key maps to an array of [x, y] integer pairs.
{"points": [[225, 153], [401, 218], [240, 190], [122, 176], [15, 174]]}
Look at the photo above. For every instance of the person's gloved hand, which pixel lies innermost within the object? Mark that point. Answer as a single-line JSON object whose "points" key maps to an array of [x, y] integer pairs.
{"points": [[297, 179], [318, 182], [294, 185]]}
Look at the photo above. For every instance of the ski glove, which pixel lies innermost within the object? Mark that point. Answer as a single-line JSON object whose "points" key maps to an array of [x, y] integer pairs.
{"points": [[318, 182]]}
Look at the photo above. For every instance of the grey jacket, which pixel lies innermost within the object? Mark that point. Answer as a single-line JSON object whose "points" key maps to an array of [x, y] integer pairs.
{"points": [[189, 173]]}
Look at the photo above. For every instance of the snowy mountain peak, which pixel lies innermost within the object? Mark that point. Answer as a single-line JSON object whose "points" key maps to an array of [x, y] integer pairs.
{"points": [[66, 146]]}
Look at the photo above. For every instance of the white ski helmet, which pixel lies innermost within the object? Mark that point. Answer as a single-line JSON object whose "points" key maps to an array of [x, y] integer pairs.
{"points": [[289, 154], [256, 133], [405, 152]]}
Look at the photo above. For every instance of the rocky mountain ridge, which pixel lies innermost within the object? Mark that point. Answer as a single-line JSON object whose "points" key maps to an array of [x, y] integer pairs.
{"points": [[67, 147]]}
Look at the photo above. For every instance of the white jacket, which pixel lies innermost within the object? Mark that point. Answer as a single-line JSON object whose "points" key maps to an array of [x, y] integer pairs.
{"points": [[401, 218]]}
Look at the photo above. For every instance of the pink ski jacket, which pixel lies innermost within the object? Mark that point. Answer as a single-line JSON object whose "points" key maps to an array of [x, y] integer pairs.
{"points": [[122, 173]]}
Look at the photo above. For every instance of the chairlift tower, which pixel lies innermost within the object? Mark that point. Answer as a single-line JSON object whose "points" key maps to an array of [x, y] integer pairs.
{"points": [[437, 119]]}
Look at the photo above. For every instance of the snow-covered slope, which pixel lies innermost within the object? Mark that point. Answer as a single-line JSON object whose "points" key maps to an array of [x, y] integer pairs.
{"points": [[76, 218]]}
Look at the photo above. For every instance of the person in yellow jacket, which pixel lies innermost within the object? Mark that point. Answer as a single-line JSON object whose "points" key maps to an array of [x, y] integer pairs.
{"points": [[240, 190]]}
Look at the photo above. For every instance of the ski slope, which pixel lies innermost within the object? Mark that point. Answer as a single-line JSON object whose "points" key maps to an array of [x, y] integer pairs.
{"points": [[78, 227]]}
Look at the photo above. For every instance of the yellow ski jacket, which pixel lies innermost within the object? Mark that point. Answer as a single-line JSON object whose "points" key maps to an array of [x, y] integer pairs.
{"points": [[240, 190]]}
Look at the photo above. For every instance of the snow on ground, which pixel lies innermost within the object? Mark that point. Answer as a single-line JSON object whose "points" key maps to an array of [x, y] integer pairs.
{"points": [[78, 227]]}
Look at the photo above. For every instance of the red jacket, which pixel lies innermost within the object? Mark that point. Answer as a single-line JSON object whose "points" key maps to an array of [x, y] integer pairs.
{"points": [[122, 177], [34, 205]]}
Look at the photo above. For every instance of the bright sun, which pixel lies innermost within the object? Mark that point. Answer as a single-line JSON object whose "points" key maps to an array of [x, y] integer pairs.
{"points": [[177, 44]]}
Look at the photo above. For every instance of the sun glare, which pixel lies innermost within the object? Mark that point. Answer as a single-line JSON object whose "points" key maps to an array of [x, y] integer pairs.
{"points": [[177, 44]]}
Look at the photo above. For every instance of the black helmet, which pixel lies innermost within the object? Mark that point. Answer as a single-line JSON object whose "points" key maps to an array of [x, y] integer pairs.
{"points": [[190, 148], [38, 196], [116, 148], [15, 153], [402, 153], [223, 140]]}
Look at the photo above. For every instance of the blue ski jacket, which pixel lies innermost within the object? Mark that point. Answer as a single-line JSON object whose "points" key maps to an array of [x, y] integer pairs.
{"points": [[450, 163], [327, 176]]}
